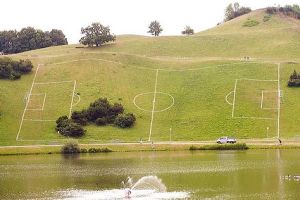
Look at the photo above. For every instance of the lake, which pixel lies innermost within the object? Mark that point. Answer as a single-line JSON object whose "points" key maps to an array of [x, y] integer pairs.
{"points": [[252, 174]]}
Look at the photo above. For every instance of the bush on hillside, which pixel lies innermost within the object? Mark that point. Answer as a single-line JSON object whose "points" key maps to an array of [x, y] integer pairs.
{"points": [[266, 18], [294, 80], [188, 31], [288, 10], [67, 127], [101, 121], [10, 69], [102, 112], [250, 23], [125, 120]]}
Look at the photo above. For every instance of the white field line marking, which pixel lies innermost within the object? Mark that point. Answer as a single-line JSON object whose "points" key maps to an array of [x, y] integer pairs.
{"points": [[134, 101], [79, 99], [73, 92], [234, 94], [262, 99], [226, 98], [153, 106], [27, 102], [249, 79], [255, 118], [278, 103], [54, 82], [44, 101], [37, 94], [40, 120]]}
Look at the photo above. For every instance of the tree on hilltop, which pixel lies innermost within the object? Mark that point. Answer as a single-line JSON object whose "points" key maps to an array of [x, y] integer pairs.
{"points": [[188, 31], [155, 28], [96, 34], [233, 11]]}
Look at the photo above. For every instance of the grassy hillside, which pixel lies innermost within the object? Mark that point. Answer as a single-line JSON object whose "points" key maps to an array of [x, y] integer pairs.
{"points": [[203, 88]]}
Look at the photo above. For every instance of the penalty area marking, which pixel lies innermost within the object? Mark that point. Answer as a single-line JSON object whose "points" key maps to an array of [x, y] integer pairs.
{"points": [[262, 99], [27, 102], [234, 98]]}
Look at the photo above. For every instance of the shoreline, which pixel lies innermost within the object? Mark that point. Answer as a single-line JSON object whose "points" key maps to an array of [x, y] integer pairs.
{"points": [[138, 147]]}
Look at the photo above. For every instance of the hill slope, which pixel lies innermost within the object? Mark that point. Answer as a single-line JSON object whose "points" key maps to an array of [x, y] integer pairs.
{"points": [[186, 88]]}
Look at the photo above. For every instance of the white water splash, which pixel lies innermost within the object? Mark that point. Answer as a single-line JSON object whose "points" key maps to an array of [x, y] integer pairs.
{"points": [[118, 194]]}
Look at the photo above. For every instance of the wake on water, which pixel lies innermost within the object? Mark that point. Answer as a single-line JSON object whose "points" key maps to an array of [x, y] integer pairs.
{"points": [[147, 187]]}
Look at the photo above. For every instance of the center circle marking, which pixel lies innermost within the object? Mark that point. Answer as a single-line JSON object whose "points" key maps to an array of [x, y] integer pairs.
{"points": [[162, 110]]}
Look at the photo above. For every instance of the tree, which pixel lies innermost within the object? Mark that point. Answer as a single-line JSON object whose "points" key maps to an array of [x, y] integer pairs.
{"points": [[29, 38], [188, 31], [233, 11], [155, 28], [96, 34], [58, 37]]}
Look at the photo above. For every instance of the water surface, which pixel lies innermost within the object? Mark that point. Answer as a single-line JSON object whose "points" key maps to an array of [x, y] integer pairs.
{"points": [[252, 174]]}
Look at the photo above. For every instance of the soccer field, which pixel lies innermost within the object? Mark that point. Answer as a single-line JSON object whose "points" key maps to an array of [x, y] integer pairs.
{"points": [[181, 101]]}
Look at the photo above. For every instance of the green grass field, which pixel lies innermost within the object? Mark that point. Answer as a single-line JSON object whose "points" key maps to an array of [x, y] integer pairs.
{"points": [[202, 87]]}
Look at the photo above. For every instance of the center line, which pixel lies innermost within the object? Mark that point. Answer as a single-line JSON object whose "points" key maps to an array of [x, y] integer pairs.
{"points": [[153, 106]]}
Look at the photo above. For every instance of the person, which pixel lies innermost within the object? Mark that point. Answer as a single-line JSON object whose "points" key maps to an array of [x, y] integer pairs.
{"points": [[128, 193]]}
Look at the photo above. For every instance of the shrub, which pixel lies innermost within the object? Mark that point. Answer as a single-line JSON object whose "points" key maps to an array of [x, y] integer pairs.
{"points": [[100, 121], [294, 80], [237, 146], [250, 23], [80, 117], [271, 10], [102, 112], [288, 10], [10, 69], [125, 120], [266, 18], [70, 147], [99, 150], [83, 150], [68, 128]]}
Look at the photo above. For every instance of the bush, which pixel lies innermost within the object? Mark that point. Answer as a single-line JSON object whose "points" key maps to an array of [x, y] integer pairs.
{"points": [[250, 23], [83, 150], [10, 69], [99, 150], [68, 128], [294, 80], [288, 10], [237, 146], [125, 120], [80, 117], [102, 112], [70, 148], [266, 18], [100, 121]]}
